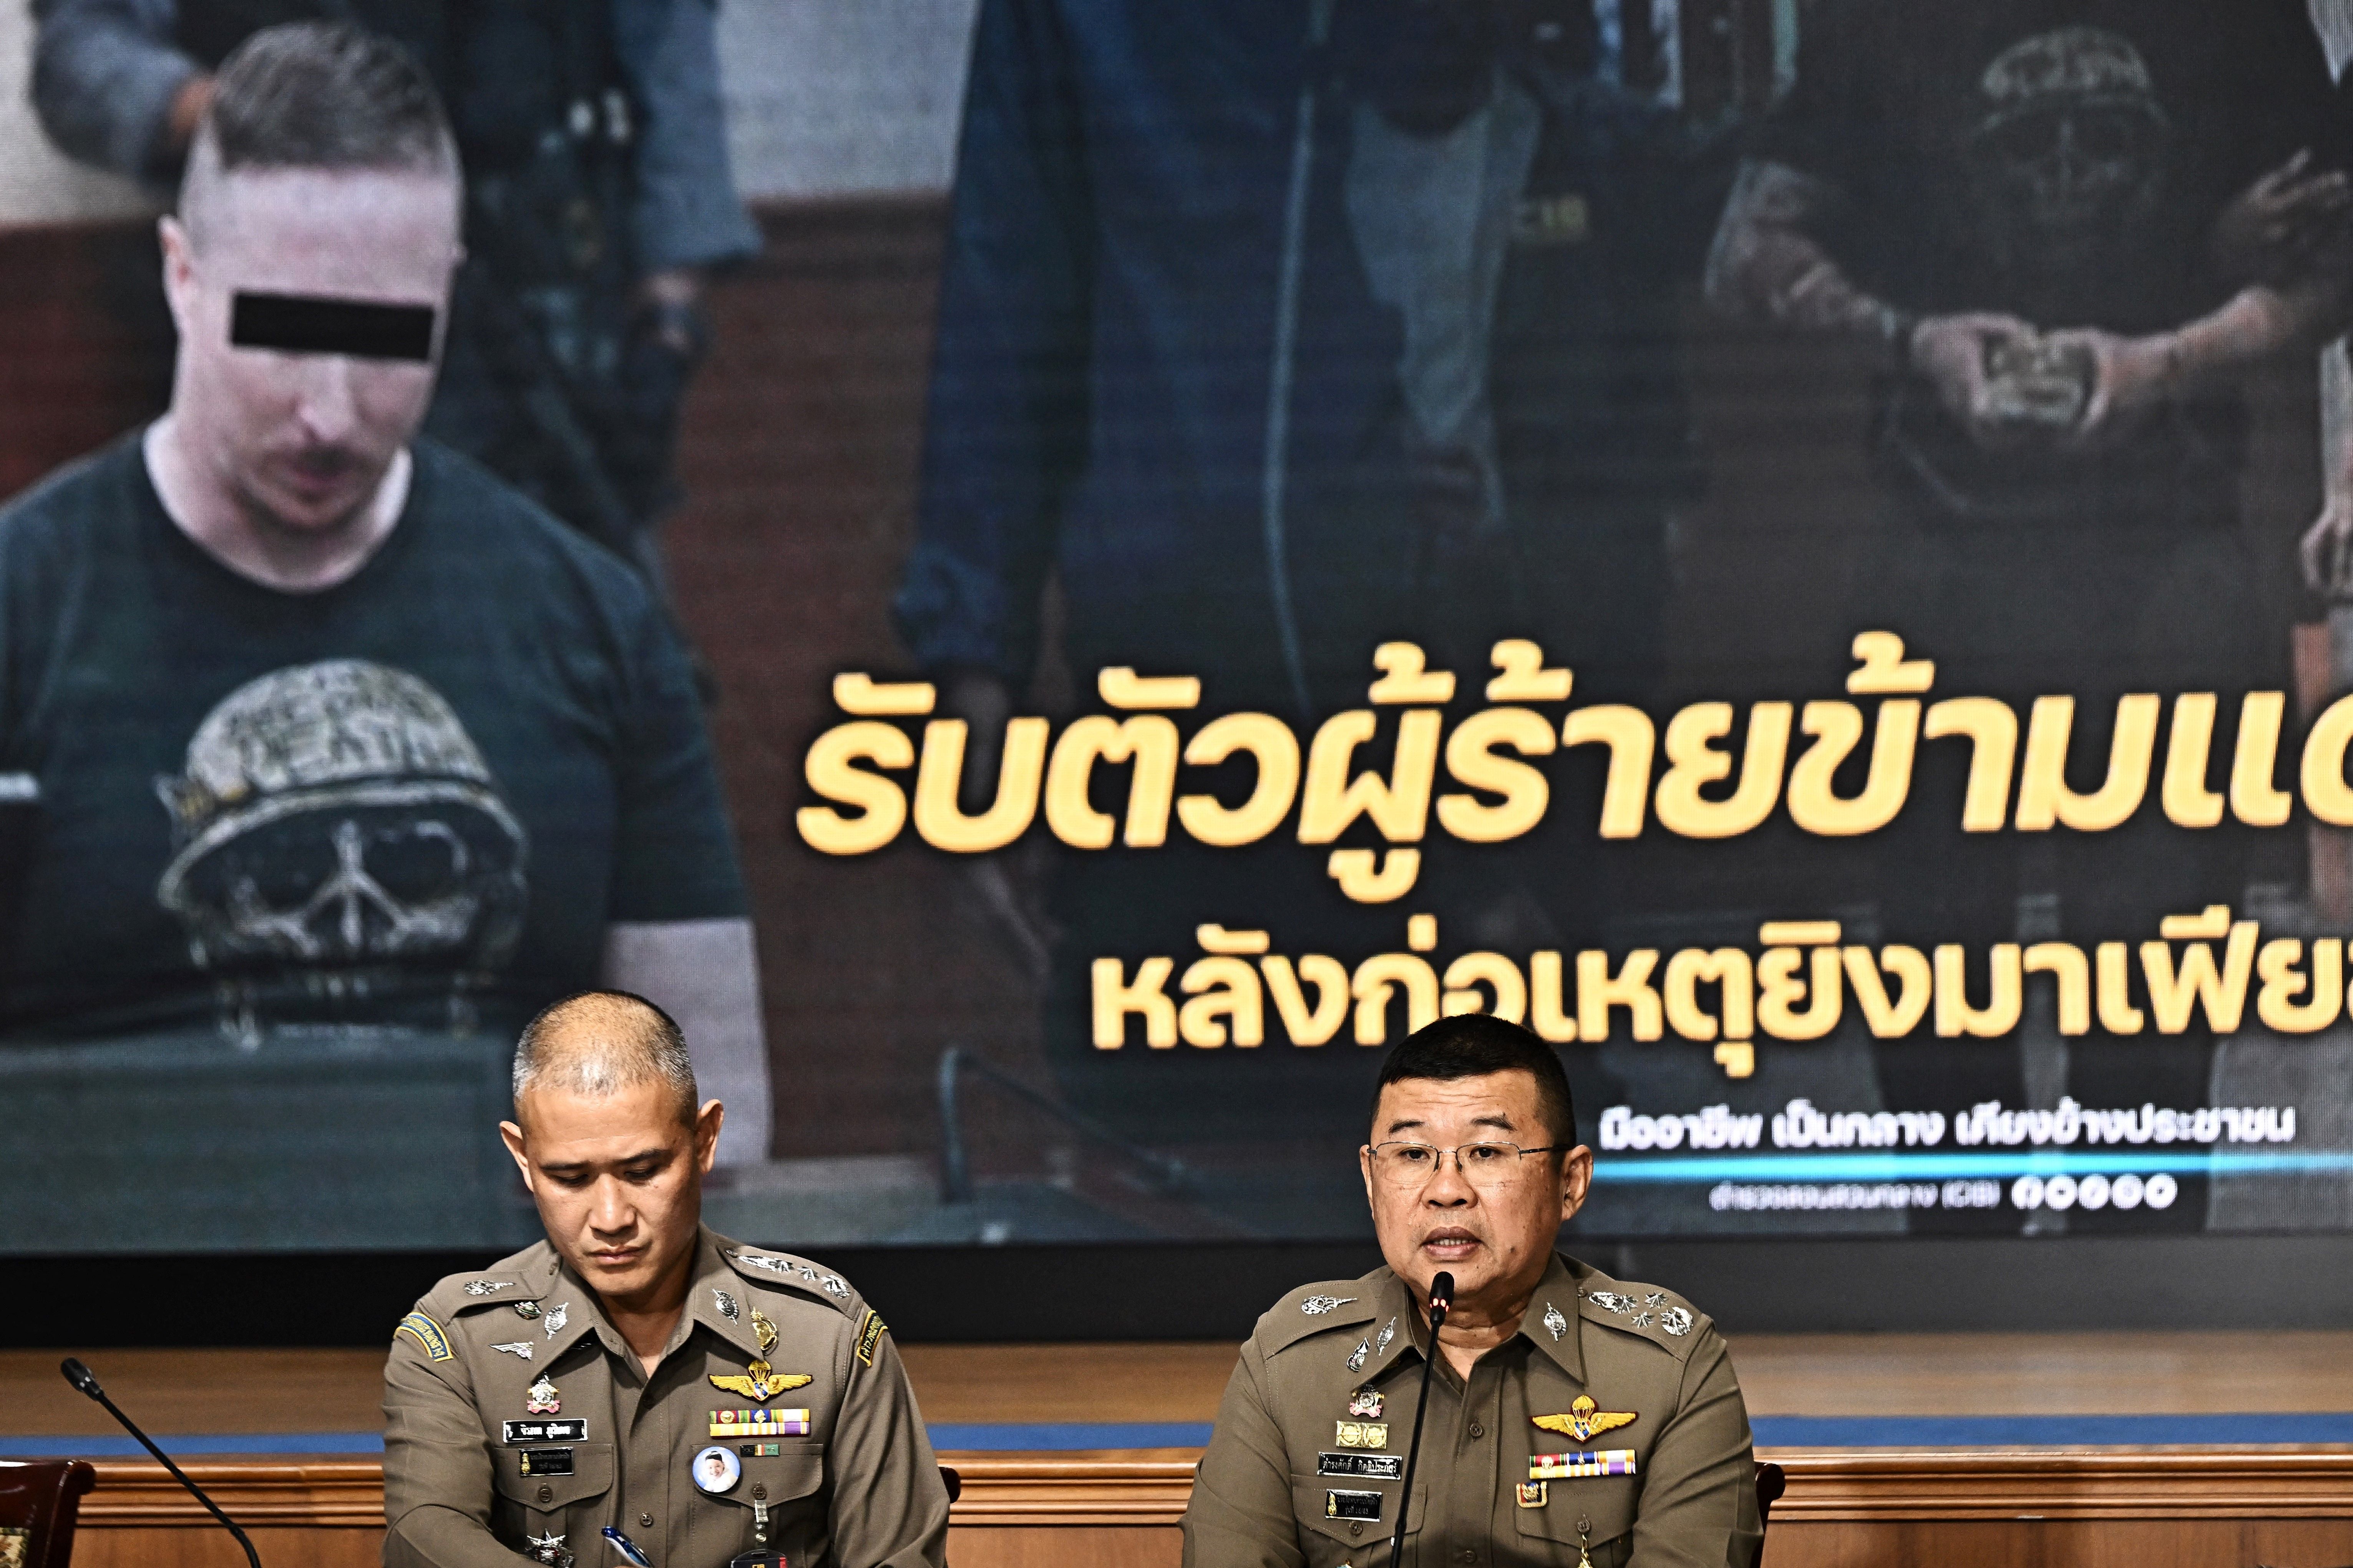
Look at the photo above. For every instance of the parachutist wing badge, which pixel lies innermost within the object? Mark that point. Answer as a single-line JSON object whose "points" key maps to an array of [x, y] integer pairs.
{"points": [[1583, 1422], [760, 1385]]}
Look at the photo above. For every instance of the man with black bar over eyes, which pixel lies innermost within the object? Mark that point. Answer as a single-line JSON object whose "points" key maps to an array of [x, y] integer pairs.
{"points": [[635, 1378], [337, 758], [1574, 1420]]}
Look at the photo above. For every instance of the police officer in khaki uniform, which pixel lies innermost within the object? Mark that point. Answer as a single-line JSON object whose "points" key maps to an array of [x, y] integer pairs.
{"points": [[1573, 1418], [716, 1404]]}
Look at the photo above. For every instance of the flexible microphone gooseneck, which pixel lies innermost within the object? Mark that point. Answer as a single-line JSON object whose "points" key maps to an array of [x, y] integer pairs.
{"points": [[82, 1378], [1442, 1297]]}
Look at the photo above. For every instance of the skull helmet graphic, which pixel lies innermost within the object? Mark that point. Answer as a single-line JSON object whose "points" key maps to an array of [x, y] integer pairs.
{"points": [[2068, 154], [336, 816]]}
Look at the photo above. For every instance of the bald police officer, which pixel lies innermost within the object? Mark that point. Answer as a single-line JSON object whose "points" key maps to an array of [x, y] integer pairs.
{"points": [[713, 1402], [1573, 1418]]}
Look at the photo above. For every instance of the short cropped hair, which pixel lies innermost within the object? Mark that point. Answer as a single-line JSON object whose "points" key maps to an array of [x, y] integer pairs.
{"points": [[1474, 1044], [598, 1043], [319, 95]]}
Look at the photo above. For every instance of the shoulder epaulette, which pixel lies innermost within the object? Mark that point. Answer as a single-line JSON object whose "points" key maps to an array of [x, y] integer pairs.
{"points": [[1312, 1309]]}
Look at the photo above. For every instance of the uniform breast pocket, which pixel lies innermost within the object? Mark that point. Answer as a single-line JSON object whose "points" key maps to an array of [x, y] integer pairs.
{"points": [[779, 1486], [548, 1479], [780, 1477], [1598, 1511], [1340, 1516]]}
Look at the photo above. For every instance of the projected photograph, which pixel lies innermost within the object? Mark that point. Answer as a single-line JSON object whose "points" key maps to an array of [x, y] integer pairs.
{"points": [[1053, 606]]}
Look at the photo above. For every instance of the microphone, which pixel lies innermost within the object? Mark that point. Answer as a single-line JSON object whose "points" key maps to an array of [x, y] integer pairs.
{"points": [[82, 1378], [1442, 1297]]}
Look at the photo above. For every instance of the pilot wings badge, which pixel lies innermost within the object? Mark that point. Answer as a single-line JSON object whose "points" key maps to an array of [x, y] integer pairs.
{"points": [[763, 1384], [1582, 1421]]}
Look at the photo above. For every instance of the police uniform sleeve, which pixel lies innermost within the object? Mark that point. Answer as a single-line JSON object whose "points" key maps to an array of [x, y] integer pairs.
{"points": [[1699, 1501], [436, 1467], [687, 211], [1006, 428], [1240, 1513], [890, 1506], [105, 75]]}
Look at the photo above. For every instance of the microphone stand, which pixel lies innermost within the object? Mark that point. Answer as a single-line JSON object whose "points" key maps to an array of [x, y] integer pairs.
{"points": [[83, 1379], [1442, 1297]]}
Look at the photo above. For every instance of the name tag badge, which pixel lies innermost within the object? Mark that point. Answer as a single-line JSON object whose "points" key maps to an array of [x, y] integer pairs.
{"points": [[1373, 1467], [546, 1462], [546, 1432], [1580, 1466], [1352, 1505]]}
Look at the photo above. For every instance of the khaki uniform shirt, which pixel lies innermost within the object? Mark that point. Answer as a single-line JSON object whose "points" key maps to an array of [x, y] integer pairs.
{"points": [[475, 1477], [1310, 1440]]}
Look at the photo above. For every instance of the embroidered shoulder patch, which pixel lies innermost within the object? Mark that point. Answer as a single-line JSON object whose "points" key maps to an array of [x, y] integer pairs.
{"points": [[428, 1334], [870, 1334]]}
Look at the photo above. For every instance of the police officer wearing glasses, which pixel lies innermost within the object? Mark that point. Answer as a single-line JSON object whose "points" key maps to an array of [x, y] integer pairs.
{"points": [[1574, 1419]]}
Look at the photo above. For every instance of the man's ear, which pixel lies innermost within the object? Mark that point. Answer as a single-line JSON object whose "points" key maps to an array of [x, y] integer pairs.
{"points": [[511, 1136], [1575, 1180], [179, 271], [707, 1122]]}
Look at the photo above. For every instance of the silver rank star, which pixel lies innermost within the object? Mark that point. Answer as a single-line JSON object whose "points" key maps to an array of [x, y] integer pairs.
{"points": [[1381, 1346], [515, 1347], [727, 1309], [1356, 1361], [1553, 1323], [1610, 1301], [1676, 1322], [833, 1283], [806, 1272], [555, 1316], [1317, 1306], [484, 1287]]}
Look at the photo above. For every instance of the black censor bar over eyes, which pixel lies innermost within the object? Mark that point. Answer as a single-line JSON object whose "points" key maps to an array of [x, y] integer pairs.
{"points": [[311, 324]]}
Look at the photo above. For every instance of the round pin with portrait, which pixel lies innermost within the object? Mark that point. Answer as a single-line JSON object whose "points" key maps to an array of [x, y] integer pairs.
{"points": [[717, 1470]]}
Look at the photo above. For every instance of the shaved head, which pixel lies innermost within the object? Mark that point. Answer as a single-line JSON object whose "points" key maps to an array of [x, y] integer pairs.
{"points": [[598, 1044], [316, 95]]}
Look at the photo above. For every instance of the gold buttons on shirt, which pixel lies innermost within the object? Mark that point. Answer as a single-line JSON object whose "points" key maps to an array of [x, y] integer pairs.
{"points": [[547, 1494], [760, 1493], [644, 1521]]}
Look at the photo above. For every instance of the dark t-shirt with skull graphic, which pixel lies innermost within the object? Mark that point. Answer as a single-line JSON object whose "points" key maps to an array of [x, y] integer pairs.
{"points": [[2064, 162], [2060, 160], [413, 800]]}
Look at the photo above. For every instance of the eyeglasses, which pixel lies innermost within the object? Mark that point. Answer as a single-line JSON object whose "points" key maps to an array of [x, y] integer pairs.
{"points": [[1485, 1165]]}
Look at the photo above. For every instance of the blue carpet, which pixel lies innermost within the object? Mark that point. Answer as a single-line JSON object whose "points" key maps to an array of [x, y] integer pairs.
{"points": [[1772, 1431], [1043, 1434], [2054, 1431]]}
